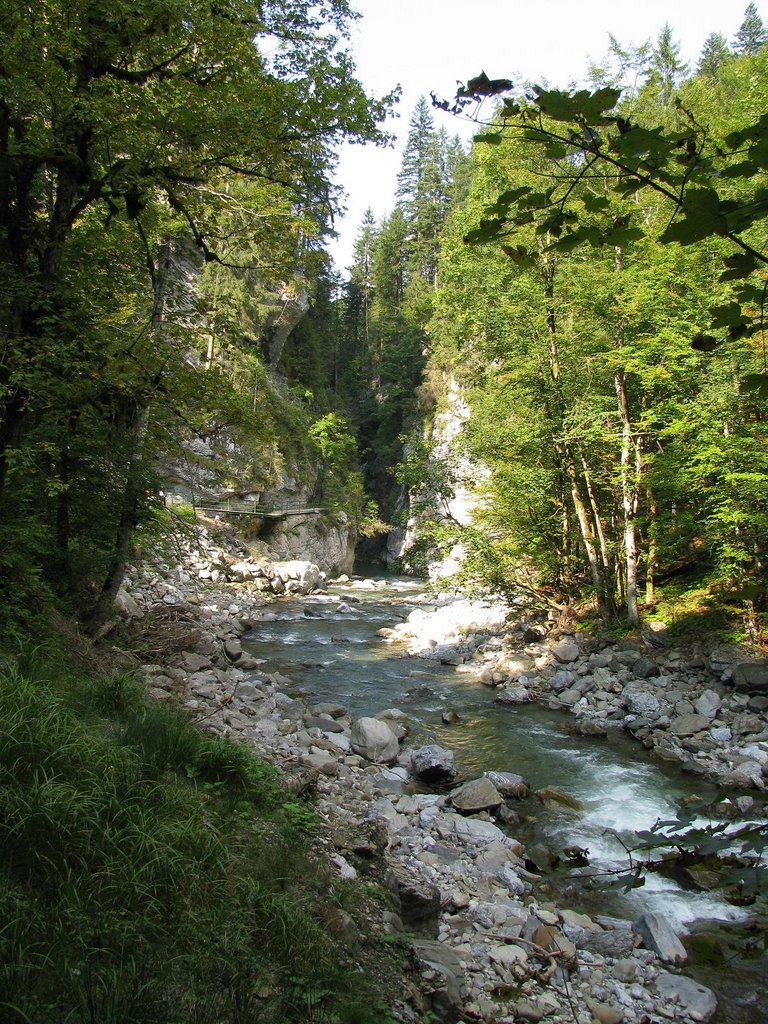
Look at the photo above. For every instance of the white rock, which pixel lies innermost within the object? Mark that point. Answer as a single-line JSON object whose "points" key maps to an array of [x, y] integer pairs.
{"points": [[374, 740]]}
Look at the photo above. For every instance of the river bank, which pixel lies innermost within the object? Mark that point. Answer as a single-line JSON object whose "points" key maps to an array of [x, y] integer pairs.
{"points": [[491, 942]]}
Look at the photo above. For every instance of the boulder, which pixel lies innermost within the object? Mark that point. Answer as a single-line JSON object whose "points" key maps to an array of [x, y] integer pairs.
{"points": [[128, 605], [433, 763], [657, 934], [696, 1000], [707, 704], [444, 977], [374, 740], [605, 1013], [644, 667], [307, 573], [513, 695], [562, 679], [509, 784], [417, 901], [515, 665], [470, 831], [688, 725], [565, 651], [642, 702], [751, 677], [476, 795], [233, 649]]}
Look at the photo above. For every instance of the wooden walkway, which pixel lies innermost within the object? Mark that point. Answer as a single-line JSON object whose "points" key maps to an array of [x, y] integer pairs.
{"points": [[235, 507]]}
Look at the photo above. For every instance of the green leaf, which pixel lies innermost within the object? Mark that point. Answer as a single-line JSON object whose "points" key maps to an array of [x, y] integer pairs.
{"points": [[482, 85], [486, 231], [490, 138], [582, 105]]}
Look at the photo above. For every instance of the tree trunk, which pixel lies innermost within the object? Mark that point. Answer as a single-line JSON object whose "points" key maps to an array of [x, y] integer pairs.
{"points": [[650, 574], [630, 482], [563, 451], [132, 492]]}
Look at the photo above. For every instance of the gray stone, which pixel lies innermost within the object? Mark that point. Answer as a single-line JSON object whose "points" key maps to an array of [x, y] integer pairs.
{"points": [[562, 679], [334, 710], [233, 649], [688, 725], [128, 605], [625, 969], [509, 784], [515, 665], [510, 879], [444, 977], [433, 763], [470, 831], [642, 702], [751, 677], [417, 900], [644, 667], [513, 695], [565, 651], [699, 1002], [476, 795], [657, 934], [614, 942], [707, 704], [325, 724], [721, 734], [374, 740]]}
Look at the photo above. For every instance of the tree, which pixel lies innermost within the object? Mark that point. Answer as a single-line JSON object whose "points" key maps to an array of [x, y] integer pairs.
{"points": [[666, 68], [714, 54], [608, 485], [131, 126], [714, 186], [751, 35]]}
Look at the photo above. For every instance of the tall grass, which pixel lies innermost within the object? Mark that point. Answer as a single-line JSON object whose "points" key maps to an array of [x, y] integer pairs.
{"points": [[151, 873]]}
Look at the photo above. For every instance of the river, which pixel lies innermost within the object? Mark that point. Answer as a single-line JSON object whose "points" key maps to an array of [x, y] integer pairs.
{"points": [[336, 656]]}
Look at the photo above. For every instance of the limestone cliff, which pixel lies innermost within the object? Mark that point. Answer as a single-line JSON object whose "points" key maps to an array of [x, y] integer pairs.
{"points": [[450, 497]]}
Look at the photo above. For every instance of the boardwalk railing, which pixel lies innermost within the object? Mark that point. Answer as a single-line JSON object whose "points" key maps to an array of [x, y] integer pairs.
{"points": [[268, 510]]}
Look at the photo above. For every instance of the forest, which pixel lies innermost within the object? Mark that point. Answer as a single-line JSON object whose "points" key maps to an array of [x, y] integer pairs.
{"points": [[559, 326], [590, 276]]}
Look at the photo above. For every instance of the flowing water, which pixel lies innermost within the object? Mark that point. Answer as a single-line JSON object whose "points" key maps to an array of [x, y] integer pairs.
{"points": [[336, 656]]}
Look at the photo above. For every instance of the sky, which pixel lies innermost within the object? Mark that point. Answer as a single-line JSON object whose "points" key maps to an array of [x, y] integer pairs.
{"points": [[429, 45]]}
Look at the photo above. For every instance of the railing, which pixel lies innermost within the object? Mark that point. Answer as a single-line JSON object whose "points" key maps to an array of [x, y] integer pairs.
{"points": [[241, 507]]}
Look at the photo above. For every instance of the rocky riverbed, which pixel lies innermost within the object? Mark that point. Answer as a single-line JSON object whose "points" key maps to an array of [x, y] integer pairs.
{"points": [[490, 944], [703, 709]]}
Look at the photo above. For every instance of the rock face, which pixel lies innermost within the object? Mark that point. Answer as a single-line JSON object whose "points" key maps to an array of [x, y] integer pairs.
{"points": [[374, 740], [460, 506], [330, 544]]}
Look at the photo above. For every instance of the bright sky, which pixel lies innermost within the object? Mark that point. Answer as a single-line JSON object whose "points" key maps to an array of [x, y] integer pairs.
{"points": [[429, 45]]}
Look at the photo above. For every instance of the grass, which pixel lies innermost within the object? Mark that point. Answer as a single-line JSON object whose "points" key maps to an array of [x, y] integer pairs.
{"points": [[151, 873]]}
